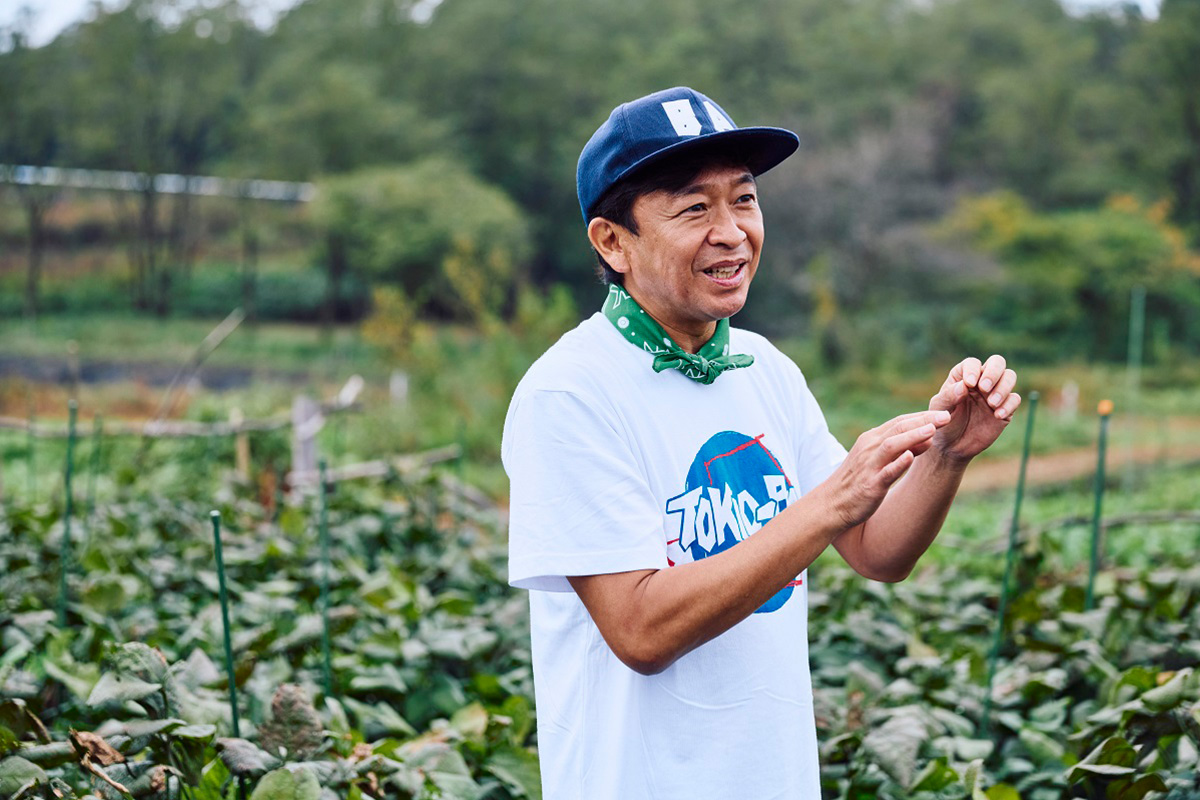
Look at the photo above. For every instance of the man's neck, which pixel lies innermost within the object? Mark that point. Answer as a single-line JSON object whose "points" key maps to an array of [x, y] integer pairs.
{"points": [[691, 337]]}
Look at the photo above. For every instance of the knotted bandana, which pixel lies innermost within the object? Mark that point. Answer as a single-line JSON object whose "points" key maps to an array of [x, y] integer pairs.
{"points": [[641, 330]]}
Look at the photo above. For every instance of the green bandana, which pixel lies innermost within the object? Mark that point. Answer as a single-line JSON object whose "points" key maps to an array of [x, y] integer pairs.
{"points": [[642, 331]]}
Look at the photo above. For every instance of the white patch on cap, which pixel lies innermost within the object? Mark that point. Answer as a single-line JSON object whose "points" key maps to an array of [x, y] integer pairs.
{"points": [[719, 120], [623, 323], [666, 341], [682, 117]]}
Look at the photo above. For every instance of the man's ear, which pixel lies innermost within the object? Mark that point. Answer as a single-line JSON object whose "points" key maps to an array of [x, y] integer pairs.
{"points": [[610, 241]]}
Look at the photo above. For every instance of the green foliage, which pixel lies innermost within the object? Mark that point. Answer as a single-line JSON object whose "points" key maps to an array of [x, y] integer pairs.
{"points": [[293, 295], [1093, 698], [426, 637], [902, 107], [1070, 274], [431, 227], [432, 664]]}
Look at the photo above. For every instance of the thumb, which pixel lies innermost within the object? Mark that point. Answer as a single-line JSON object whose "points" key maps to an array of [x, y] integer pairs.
{"points": [[949, 397]]}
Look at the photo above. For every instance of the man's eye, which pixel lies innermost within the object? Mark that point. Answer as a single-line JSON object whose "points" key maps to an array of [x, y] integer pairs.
{"points": [[746, 198], [695, 207]]}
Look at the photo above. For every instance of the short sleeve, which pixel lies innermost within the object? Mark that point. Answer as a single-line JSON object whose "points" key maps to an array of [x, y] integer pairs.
{"points": [[818, 452], [579, 503]]}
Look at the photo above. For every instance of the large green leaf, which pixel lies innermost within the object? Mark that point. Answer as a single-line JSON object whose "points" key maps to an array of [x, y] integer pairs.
{"points": [[295, 783], [244, 759], [894, 745], [1172, 693], [1042, 748], [1114, 757], [16, 772], [519, 769], [116, 688]]}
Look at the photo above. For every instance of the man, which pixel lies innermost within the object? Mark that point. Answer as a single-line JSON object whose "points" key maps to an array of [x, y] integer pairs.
{"points": [[672, 479]]}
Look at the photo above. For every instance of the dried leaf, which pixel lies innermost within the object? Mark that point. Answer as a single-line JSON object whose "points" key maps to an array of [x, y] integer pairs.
{"points": [[95, 748], [295, 728]]}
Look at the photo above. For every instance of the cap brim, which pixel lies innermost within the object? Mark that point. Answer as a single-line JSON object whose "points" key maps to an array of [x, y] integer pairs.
{"points": [[762, 147]]}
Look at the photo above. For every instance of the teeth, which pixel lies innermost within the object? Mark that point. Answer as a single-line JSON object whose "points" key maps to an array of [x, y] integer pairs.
{"points": [[723, 272]]}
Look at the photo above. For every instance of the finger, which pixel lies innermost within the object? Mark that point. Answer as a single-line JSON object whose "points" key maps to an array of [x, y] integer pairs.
{"points": [[893, 470], [1008, 379], [896, 424], [907, 422], [992, 370], [906, 440], [921, 447], [950, 396], [967, 371], [1011, 403]]}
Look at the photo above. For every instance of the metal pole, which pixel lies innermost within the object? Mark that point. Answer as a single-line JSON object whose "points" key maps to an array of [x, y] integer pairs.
{"points": [[1010, 562], [97, 443], [1137, 329], [1105, 410], [64, 559], [233, 702], [1133, 372], [324, 533], [31, 461]]}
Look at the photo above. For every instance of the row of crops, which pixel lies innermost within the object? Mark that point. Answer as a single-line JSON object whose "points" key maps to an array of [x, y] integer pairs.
{"points": [[429, 686]]}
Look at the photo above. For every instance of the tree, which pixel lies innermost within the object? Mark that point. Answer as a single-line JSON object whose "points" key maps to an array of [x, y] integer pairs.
{"points": [[34, 133], [449, 240], [1165, 68], [159, 83]]}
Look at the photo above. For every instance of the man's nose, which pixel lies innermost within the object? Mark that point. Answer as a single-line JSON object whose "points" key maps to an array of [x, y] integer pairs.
{"points": [[725, 230]]}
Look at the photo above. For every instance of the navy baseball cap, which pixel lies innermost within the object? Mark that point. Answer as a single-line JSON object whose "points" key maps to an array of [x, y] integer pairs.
{"points": [[644, 131]]}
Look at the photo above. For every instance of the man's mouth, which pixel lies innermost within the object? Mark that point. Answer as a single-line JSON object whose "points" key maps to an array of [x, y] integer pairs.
{"points": [[725, 270]]}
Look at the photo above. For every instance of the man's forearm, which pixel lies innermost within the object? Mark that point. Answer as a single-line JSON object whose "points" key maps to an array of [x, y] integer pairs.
{"points": [[887, 546], [652, 617]]}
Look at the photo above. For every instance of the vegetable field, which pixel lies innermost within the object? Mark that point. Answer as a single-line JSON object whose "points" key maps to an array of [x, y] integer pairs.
{"points": [[427, 690]]}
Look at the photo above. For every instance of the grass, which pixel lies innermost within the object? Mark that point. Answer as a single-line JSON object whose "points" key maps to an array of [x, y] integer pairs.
{"points": [[277, 347], [460, 382]]}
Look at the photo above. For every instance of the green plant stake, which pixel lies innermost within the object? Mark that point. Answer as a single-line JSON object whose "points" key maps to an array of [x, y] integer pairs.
{"points": [[1133, 373], [233, 703], [275, 512], [324, 532], [97, 443], [1006, 587], [29, 453], [460, 465], [64, 558], [1105, 411]]}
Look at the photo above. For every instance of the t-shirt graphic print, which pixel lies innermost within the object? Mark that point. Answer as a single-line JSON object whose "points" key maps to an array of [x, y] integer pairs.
{"points": [[735, 486]]}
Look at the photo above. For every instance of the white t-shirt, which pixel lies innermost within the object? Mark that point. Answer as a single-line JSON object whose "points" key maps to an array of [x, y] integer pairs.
{"points": [[614, 467]]}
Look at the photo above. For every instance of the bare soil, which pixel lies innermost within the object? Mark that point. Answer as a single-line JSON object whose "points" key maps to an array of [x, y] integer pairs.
{"points": [[1143, 445]]}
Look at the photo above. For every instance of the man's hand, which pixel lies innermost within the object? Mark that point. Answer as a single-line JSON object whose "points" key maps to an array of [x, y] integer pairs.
{"points": [[981, 402], [877, 460]]}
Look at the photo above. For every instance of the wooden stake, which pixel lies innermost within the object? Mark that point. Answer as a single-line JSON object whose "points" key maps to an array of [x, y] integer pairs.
{"points": [[241, 445]]}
